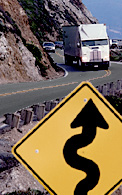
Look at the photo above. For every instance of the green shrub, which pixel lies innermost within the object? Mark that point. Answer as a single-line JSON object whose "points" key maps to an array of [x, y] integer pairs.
{"points": [[115, 102], [28, 192], [35, 51], [116, 55], [40, 19], [38, 55]]}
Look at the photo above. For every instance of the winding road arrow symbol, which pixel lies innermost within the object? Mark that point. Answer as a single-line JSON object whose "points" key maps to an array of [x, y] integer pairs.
{"points": [[89, 118], [76, 148]]}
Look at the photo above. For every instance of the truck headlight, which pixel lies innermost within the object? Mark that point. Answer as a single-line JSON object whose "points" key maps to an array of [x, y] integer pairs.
{"points": [[106, 58], [84, 59]]}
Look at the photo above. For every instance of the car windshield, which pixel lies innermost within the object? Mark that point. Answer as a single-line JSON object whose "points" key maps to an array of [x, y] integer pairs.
{"points": [[48, 44], [95, 42], [60, 43]]}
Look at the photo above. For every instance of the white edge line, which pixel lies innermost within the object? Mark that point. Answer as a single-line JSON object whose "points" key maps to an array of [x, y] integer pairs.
{"points": [[66, 73]]}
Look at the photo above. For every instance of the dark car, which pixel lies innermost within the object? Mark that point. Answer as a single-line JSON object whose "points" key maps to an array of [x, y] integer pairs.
{"points": [[59, 44], [49, 47]]}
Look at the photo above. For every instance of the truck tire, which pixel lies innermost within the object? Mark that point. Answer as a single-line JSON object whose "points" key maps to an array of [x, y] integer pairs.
{"points": [[79, 63], [68, 60], [106, 66]]}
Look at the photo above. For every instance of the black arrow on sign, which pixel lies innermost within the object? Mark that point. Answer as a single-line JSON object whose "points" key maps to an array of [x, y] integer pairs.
{"points": [[89, 118]]}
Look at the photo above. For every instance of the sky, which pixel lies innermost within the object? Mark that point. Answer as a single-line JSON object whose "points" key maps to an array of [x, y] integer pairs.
{"points": [[108, 12]]}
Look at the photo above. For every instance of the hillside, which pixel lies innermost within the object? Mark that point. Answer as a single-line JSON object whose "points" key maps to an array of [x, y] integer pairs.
{"points": [[21, 56], [24, 24], [46, 17]]}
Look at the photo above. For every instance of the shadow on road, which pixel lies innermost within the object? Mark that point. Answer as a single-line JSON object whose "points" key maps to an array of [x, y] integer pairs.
{"points": [[75, 68]]}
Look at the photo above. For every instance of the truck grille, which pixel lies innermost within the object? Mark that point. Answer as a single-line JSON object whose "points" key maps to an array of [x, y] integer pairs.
{"points": [[95, 55]]}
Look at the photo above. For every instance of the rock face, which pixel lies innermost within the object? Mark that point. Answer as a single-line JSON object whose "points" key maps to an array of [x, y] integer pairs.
{"points": [[52, 14], [17, 64], [67, 12], [17, 60]]}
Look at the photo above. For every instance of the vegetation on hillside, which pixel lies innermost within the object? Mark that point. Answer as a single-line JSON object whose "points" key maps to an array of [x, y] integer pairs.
{"points": [[116, 55], [39, 19], [38, 55], [30, 46], [28, 192], [116, 102]]}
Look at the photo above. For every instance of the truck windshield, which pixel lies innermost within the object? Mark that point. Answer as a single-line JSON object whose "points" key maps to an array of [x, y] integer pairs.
{"points": [[95, 42]]}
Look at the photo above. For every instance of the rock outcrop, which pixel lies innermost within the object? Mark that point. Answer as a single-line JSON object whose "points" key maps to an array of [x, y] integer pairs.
{"points": [[22, 58], [46, 17]]}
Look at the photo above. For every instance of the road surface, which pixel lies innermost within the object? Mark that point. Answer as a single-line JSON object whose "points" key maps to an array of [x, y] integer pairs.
{"points": [[14, 97]]}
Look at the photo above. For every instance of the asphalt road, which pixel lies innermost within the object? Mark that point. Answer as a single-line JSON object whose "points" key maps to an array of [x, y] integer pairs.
{"points": [[14, 97]]}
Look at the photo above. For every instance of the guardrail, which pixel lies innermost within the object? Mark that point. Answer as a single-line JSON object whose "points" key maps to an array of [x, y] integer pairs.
{"points": [[25, 116], [38, 111], [111, 89]]}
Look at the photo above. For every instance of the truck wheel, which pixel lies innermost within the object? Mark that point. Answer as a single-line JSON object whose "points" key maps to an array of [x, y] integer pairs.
{"points": [[66, 60], [106, 66], [79, 63]]}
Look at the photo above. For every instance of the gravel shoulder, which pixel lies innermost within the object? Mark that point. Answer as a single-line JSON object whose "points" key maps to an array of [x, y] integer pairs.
{"points": [[13, 176]]}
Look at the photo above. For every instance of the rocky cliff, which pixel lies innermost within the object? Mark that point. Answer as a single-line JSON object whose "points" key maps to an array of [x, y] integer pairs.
{"points": [[46, 17], [24, 25], [21, 55], [67, 12]]}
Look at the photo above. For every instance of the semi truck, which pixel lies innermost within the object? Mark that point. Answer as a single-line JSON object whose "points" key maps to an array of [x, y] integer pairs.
{"points": [[86, 45]]}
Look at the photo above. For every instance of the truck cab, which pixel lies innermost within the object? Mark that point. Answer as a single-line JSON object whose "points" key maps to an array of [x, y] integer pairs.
{"points": [[88, 44]]}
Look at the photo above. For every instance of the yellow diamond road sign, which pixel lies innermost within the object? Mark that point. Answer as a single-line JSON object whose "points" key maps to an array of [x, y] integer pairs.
{"points": [[77, 148]]}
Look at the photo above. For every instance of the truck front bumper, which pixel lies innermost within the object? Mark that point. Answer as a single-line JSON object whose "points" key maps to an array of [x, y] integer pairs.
{"points": [[100, 64]]}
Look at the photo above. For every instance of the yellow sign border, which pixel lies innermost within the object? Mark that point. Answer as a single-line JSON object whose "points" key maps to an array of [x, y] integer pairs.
{"points": [[59, 106]]}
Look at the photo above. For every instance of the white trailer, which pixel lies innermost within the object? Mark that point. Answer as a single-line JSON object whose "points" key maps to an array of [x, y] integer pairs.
{"points": [[87, 44]]}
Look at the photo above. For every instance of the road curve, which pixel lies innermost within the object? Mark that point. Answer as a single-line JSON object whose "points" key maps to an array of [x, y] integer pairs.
{"points": [[14, 97]]}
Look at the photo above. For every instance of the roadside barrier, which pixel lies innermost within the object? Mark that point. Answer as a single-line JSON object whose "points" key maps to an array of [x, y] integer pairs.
{"points": [[38, 111], [111, 89], [26, 115]]}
